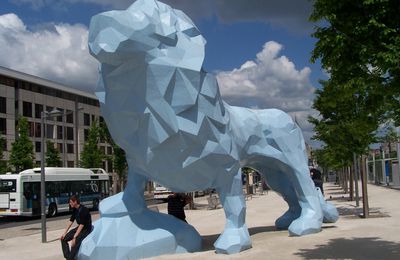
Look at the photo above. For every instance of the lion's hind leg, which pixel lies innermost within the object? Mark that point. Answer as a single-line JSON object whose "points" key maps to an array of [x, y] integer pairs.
{"points": [[279, 182]]}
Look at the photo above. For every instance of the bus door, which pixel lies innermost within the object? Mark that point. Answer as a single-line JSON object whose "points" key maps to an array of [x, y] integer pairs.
{"points": [[32, 197]]}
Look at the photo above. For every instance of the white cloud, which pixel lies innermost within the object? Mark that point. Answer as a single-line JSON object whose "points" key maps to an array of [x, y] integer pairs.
{"points": [[271, 81], [60, 54]]}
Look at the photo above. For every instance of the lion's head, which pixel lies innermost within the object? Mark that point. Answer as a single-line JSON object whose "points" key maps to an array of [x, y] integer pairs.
{"points": [[149, 32]]}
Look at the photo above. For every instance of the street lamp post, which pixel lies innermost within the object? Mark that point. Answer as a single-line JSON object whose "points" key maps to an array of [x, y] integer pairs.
{"points": [[44, 115], [76, 121], [64, 128], [398, 151]]}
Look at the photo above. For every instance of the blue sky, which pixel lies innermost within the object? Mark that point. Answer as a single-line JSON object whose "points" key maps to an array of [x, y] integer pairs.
{"points": [[258, 49]]}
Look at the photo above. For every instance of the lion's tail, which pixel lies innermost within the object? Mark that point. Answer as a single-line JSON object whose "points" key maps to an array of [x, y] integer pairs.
{"points": [[329, 211]]}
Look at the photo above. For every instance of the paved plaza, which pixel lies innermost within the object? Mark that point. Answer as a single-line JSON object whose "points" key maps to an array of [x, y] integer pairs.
{"points": [[352, 237]]}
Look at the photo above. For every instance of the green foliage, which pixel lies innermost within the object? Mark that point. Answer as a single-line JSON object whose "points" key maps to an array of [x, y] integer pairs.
{"points": [[91, 156], [359, 45], [3, 164], [347, 122], [53, 158], [118, 157], [360, 39], [22, 156], [119, 160]]}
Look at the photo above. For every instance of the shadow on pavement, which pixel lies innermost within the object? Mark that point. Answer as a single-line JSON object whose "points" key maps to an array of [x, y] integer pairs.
{"points": [[356, 248], [357, 212]]}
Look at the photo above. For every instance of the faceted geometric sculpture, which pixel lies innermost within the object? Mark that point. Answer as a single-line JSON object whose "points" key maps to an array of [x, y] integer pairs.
{"points": [[168, 116]]}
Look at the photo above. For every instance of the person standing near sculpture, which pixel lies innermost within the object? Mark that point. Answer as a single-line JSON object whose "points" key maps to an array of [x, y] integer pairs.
{"points": [[71, 241], [316, 176], [176, 204]]}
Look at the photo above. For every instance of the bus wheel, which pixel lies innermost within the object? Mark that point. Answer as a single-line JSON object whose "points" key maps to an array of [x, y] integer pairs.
{"points": [[95, 204], [52, 211]]}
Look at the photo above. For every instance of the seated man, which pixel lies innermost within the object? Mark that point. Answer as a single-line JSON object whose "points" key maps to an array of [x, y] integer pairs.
{"points": [[71, 241]]}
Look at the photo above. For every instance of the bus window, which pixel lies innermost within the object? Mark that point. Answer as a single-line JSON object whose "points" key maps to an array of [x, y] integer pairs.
{"points": [[8, 186], [94, 187], [32, 190], [63, 188], [51, 189]]}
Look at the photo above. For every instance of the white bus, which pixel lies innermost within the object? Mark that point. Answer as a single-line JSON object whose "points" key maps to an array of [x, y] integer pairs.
{"points": [[161, 192], [20, 193]]}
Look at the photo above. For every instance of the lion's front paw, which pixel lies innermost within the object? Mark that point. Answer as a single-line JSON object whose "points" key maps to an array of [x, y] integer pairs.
{"points": [[137, 236], [233, 240], [308, 223], [284, 221]]}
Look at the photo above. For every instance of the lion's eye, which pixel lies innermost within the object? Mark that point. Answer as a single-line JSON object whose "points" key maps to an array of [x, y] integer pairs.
{"points": [[169, 40], [191, 32]]}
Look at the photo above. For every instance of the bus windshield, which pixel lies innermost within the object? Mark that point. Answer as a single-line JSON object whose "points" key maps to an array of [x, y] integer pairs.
{"points": [[8, 185]]}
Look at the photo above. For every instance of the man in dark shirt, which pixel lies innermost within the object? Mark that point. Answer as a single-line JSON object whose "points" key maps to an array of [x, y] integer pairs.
{"points": [[316, 176], [71, 241], [176, 203]]}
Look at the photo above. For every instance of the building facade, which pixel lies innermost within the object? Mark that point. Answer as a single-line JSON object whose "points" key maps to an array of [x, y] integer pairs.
{"points": [[26, 95]]}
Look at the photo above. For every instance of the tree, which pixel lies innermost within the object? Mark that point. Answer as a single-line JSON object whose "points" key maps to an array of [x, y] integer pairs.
{"points": [[22, 156], [347, 120], [53, 158], [3, 164], [91, 156], [118, 157], [358, 43], [120, 164], [360, 39]]}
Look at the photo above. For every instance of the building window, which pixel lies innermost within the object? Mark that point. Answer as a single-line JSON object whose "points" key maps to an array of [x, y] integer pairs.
{"points": [[38, 130], [59, 147], [27, 109], [31, 129], [86, 119], [48, 110], [49, 131], [110, 166], [5, 146], [70, 133], [86, 134], [109, 150], [3, 105], [70, 148], [60, 118], [38, 110], [3, 126], [38, 146], [70, 164], [7, 81], [59, 132], [70, 117]]}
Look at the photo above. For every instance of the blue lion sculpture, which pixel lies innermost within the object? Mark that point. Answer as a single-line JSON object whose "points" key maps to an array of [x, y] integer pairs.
{"points": [[167, 114]]}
